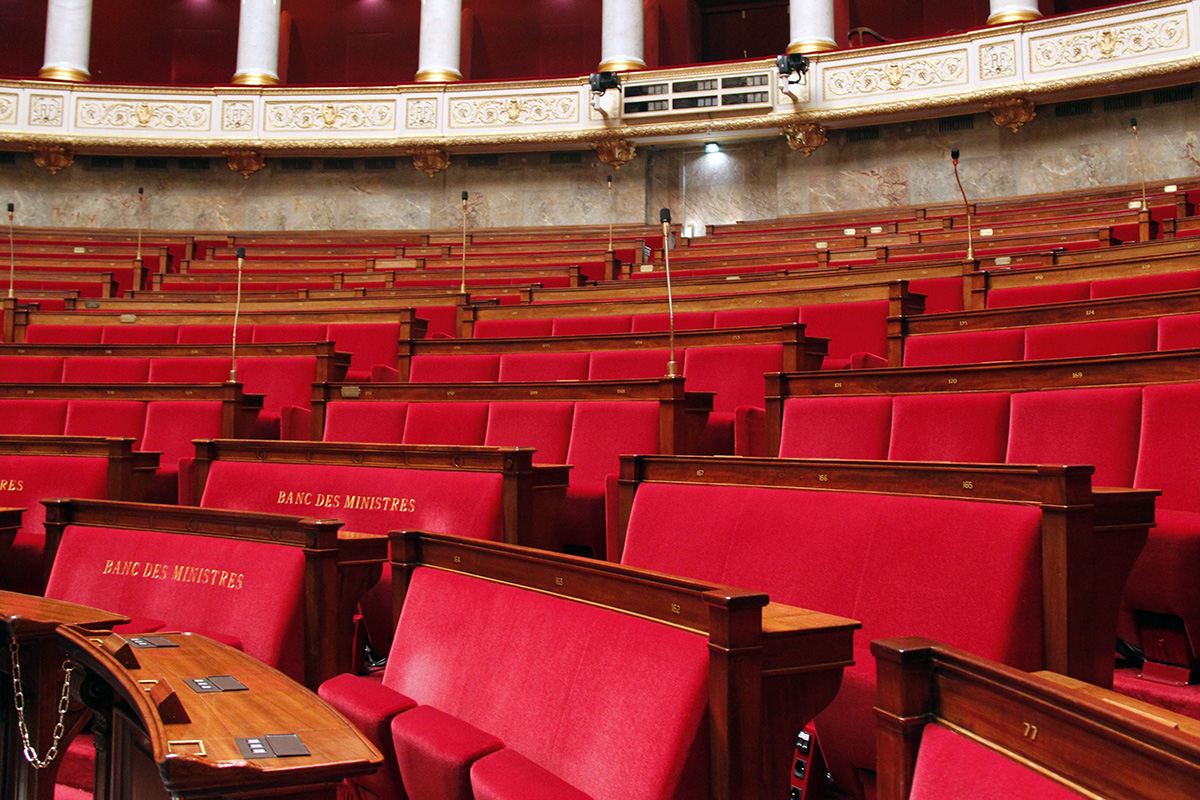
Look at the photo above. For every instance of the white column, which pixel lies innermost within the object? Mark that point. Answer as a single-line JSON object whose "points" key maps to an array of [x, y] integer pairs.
{"points": [[811, 24], [1006, 11], [440, 48], [258, 43], [68, 40], [622, 41]]}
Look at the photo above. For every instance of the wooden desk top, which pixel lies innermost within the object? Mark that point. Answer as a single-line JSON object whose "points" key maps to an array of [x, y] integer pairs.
{"points": [[25, 615], [192, 735]]}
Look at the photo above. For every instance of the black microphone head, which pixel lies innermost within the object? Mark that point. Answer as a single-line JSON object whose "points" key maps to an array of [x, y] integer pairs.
{"points": [[10, 208], [610, 180], [241, 252], [1133, 122], [664, 215], [464, 195], [140, 190], [954, 153]]}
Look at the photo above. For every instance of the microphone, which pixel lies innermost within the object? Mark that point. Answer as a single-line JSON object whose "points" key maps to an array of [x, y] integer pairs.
{"points": [[11, 258], [237, 307], [463, 286], [141, 222], [664, 216], [1141, 168], [612, 213], [966, 205]]}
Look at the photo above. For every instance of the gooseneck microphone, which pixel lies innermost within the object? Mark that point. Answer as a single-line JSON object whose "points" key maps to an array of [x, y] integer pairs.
{"points": [[664, 216], [141, 221], [237, 308], [11, 258], [612, 213], [966, 205], [1141, 167], [463, 286]]}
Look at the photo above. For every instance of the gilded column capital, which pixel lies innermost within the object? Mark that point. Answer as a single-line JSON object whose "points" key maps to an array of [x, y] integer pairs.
{"points": [[244, 162], [805, 136], [430, 160], [1012, 112], [615, 152], [52, 156]]}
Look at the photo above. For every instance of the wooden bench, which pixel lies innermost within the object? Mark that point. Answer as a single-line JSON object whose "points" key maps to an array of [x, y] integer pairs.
{"points": [[552, 676], [1022, 564], [952, 724]]}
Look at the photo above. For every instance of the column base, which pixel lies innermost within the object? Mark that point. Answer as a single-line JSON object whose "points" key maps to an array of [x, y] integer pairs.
{"points": [[811, 46], [621, 65], [1007, 17], [64, 74], [251, 78], [438, 75]]}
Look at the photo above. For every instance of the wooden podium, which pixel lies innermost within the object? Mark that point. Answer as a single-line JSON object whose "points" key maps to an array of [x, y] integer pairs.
{"points": [[29, 623], [178, 715]]}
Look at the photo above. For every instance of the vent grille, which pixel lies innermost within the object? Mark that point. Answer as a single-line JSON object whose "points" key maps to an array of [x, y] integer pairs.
{"points": [[862, 134], [1076, 108], [574, 157], [107, 162], [149, 162], [379, 162], [488, 160], [1123, 102], [338, 163], [193, 163], [8, 159], [296, 163], [1175, 94], [951, 124]]}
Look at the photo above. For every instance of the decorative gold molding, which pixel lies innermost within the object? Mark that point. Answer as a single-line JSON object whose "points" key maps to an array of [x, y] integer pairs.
{"points": [[46, 110], [615, 152], [375, 115], [811, 46], [1009, 17], [255, 78], [1096, 45], [94, 112], [621, 65], [430, 160], [52, 156], [64, 74], [805, 136], [1012, 112], [998, 60], [513, 110], [438, 75], [421, 113], [8, 107], [244, 162], [930, 71]]}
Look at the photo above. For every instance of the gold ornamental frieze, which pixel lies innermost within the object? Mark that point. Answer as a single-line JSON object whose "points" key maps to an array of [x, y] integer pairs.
{"points": [[46, 110], [1136, 39], [805, 137], [421, 113], [8, 108], [919, 73], [334, 116], [95, 112], [237, 115], [998, 60], [471, 112]]}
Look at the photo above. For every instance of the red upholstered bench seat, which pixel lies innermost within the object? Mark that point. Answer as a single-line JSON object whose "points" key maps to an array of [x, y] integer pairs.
{"points": [[496, 691]]}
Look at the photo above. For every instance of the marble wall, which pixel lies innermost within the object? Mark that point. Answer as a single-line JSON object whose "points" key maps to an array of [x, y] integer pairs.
{"points": [[907, 164]]}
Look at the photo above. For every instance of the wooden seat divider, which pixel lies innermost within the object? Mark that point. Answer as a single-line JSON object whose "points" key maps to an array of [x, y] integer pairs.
{"points": [[947, 717], [338, 566], [10, 523]]}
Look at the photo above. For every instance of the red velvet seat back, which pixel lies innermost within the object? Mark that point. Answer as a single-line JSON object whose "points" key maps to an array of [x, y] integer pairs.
{"points": [[544, 366], [63, 334], [198, 369], [1146, 284], [1169, 451], [31, 369], [602, 430], [969, 427], [858, 327], [684, 321], [755, 317], [606, 365], [1099, 426], [577, 689], [735, 373], [106, 418], [1038, 295], [24, 482], [445, 423], [102, 369], [33, 416], [1091, 338], [941, 294], [546, 426], [1179, 331], [952, 767], [283, 380], [511, 328], [171, 425], [381, 423], [247, 591], [139, 334], [586, 326], [967, 347], [454, 369], [213, 334], [366, 499], [836, 427], [369, 343], [298, 332]]}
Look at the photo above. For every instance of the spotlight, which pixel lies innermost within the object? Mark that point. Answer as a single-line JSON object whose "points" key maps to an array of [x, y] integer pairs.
{"points": [[601, 82], [792, 67], [712, 147]]}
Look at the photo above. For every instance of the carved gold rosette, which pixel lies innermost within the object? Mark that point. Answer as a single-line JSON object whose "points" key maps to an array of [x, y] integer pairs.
{"points": [[52, 156], [805, 136], [615, 152], [1012, 112], [244, 162], [430, 160]]}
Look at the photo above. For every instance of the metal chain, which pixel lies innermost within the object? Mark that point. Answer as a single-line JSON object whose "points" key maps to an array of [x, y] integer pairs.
{"points": [[63, 702]]}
